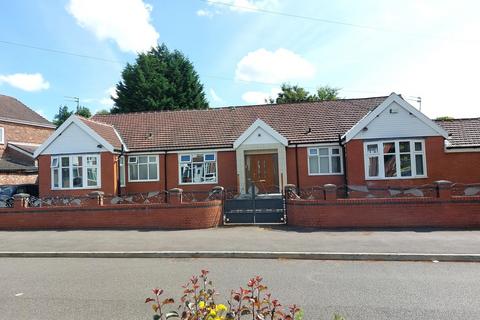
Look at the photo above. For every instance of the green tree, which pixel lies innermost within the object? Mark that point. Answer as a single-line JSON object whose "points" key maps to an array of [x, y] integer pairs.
{"points": [[83, 111], [159, 80], [291, 93], [61, 116], [103, 111], [445, 118], [295, 93], [326, 93]]}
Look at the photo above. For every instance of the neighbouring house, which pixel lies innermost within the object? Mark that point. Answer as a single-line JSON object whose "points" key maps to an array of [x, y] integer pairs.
{"points": [[375, 141], [22, 130]]}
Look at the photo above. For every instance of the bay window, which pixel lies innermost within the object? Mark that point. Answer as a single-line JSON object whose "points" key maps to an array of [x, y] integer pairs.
{"points": [[395, 159], [143, 168], [75, 171], [324, 160], [198, 168]]}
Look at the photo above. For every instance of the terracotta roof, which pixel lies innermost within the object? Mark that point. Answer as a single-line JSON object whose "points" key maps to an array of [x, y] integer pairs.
{"points": [[106, 131], [462, 132], [11, 108], [220, 127]]}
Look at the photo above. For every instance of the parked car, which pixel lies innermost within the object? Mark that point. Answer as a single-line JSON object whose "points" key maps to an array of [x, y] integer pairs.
{"points": [[8, 191]]}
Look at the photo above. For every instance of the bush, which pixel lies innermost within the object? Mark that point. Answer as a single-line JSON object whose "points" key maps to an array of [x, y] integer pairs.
{"points": [[199, 302]]}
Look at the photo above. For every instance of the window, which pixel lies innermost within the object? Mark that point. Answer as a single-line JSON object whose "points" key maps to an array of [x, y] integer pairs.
{"points": [[143, 168], [75, 171], [2, 135], [121, 162], [198, 168], [324, 160], [395, 159]]}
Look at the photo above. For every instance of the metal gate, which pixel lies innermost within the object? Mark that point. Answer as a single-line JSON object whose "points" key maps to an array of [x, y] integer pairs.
{"points": [[255, 209]]}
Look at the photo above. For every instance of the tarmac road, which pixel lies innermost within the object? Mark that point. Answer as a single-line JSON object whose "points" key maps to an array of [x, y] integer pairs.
{"points": [[71, 288]]}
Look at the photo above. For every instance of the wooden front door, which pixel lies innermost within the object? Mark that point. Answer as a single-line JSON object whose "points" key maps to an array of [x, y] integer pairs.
{"points": [[262, 171]]}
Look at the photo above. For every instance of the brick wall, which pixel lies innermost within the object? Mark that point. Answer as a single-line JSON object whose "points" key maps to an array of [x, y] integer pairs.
{"points": [[199, 215], [18, 178], [444, 211], [23, 133]]}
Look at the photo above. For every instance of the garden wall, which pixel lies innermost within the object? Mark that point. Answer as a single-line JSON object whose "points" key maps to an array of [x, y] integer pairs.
{"points": [[94, 214], [443, 210]]}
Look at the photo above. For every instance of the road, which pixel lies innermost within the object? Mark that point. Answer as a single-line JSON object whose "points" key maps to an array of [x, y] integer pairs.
{"points": [[116, 288]]}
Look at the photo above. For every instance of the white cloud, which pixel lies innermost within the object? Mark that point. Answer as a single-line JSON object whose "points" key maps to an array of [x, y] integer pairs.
{"points": [[277, 66], [205, 13], [215, 96], [107, 101], [259, 97], [237, 6], [127, 22], [26, 81]]}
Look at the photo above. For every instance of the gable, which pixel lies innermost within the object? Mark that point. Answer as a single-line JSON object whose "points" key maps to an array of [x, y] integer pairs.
{"points": [[395, 118], [73, 139], [259, 133]]}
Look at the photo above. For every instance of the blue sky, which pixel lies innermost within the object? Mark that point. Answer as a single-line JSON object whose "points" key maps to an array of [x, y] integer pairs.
{"points": [[420, 48]]}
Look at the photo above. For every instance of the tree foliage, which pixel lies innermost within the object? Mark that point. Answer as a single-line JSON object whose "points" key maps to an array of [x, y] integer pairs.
{"points": [[61, 116], [294, 93], [64, 113], [159, 80], [445, 118]]}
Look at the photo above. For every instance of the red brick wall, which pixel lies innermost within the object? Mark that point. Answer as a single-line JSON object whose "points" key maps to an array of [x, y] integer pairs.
{"points": [[385, 213], [198, 215], [24, 133], [305, 180], [108, 177], [457, 167], [16, 178]]}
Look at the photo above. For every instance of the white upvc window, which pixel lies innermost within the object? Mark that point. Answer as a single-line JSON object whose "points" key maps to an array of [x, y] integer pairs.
{"points": [[75, 171], [197, 168], [395, 159], [121, 165], [325, 161], [2, 135], [143, 168]]}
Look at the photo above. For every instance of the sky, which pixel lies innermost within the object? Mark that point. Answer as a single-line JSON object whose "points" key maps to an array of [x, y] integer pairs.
{"points": [[244, 50]]}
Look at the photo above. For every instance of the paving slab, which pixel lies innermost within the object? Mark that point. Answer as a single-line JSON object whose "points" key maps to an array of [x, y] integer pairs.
{"points": [[240, 238]]}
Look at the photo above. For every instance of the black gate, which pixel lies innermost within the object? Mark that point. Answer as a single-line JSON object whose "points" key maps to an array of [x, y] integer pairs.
{"points": [[255, 209]]}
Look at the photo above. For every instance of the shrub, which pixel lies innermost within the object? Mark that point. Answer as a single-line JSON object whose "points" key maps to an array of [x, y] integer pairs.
{"points": [[199, 302]]}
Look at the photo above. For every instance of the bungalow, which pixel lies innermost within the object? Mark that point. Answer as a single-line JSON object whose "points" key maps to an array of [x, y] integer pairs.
{"points": [[375, 141]]}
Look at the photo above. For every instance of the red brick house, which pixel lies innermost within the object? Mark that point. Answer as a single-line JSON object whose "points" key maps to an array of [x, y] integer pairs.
{"points": [[22, 130], [364, 142]]}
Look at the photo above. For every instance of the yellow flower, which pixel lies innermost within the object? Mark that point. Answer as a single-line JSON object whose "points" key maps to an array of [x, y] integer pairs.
{"points": [[220, 308], [201, 304], [212, 313]]}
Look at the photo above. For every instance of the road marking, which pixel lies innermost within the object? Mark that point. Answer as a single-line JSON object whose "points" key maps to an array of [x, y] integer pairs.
{"points": [[19, 294]]}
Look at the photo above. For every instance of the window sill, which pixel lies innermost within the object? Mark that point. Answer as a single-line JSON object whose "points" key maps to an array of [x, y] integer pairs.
{"points": [[196, 183], [396, 178], [136, 181], [325, 174], [82, 188]]}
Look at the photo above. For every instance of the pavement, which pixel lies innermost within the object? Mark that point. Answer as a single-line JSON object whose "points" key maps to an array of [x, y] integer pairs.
{"points": [[245, 242], [116, 288]]}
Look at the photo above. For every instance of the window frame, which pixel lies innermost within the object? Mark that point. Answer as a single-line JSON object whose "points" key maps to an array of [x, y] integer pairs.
{"points": [[2, 140], [191, 157], [157, 159], [58, 166], [381, 160], [330, 156]]}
